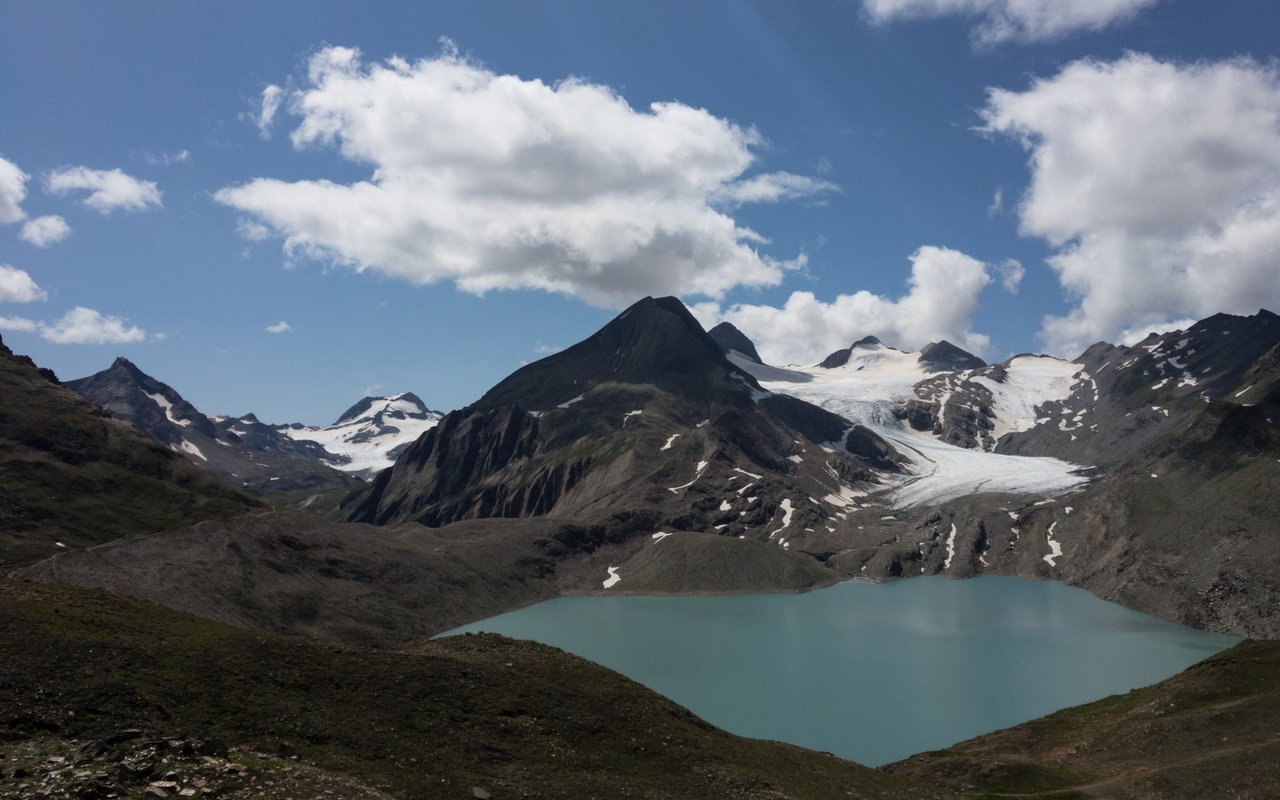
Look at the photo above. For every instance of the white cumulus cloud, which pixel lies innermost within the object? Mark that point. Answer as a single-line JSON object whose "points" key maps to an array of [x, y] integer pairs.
{"points": [[46, 230], [496, 182], [16, 286], [942, 296], [1013, 20], [83, 325], [1159, 185], [78, 326], [108, 189], [13, 188], [279, 327]]}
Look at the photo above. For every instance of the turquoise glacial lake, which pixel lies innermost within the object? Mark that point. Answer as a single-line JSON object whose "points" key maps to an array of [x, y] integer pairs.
{"points": [[872, 672]]}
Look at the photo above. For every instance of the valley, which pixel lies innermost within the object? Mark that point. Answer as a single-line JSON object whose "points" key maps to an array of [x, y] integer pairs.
{"points": [[565, 400], [656, 458]]}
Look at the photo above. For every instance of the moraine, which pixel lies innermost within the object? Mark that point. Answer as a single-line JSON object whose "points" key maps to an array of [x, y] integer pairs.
{"points": [[871, 672]]}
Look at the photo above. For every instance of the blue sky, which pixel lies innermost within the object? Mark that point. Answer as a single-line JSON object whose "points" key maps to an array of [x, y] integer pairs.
{"points": [[1125, 174]]}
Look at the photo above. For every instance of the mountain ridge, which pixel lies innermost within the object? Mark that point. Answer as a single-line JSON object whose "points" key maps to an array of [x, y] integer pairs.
{"points": [[72, 477], [241, 450]]}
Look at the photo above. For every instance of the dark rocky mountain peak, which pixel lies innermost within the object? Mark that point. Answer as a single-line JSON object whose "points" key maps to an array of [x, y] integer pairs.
{"points": [[841, 357], [124, 364], [633, 428], [126, 392], [655, 342], [730, 338], [944, 356]]}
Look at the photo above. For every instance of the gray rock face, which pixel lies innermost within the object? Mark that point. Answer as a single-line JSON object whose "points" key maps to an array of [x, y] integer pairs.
{"points": [[1128, 397], [841, 357], [730, 338], [944, 356]]}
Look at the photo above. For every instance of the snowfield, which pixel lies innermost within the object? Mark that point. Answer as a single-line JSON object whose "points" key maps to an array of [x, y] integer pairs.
{"points": [[369, 439], [877, 377], [1031, 381]]}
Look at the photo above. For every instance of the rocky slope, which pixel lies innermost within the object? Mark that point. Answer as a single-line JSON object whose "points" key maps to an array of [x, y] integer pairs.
{"points": [[386, 586], [1208, 732], [71, 477], [645, 426], [241, 450], [291, 573]]}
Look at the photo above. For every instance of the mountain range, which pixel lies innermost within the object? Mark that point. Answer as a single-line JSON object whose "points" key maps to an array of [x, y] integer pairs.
{"points": [[252, 454], [655, 456], [662, 457]]}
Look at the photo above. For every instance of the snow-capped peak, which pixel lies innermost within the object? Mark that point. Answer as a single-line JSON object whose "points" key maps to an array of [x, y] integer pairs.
{"points": [[369, 435]]}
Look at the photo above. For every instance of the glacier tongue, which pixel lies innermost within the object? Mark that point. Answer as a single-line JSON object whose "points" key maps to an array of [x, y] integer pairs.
{"points": [[865, 391]]}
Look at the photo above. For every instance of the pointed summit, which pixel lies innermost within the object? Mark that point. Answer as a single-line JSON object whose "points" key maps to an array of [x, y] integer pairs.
{"points": [[126, 392], [655, 341], [238, 449], [625, 432], [944, 356], [730, 338]]}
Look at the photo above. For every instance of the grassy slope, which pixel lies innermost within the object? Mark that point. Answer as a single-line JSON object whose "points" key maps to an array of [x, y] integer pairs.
{"points": [[516, 718], [1211, 731], [68, 474]]}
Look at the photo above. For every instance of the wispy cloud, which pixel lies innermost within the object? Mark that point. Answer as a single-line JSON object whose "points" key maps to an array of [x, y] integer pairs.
{"points": [[497, 182], [279, 327], [268, 106], [167, 159], [21, 324], [1010, 272], [1013, 20], [997, 202], [108, 190], [253, 231]]}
